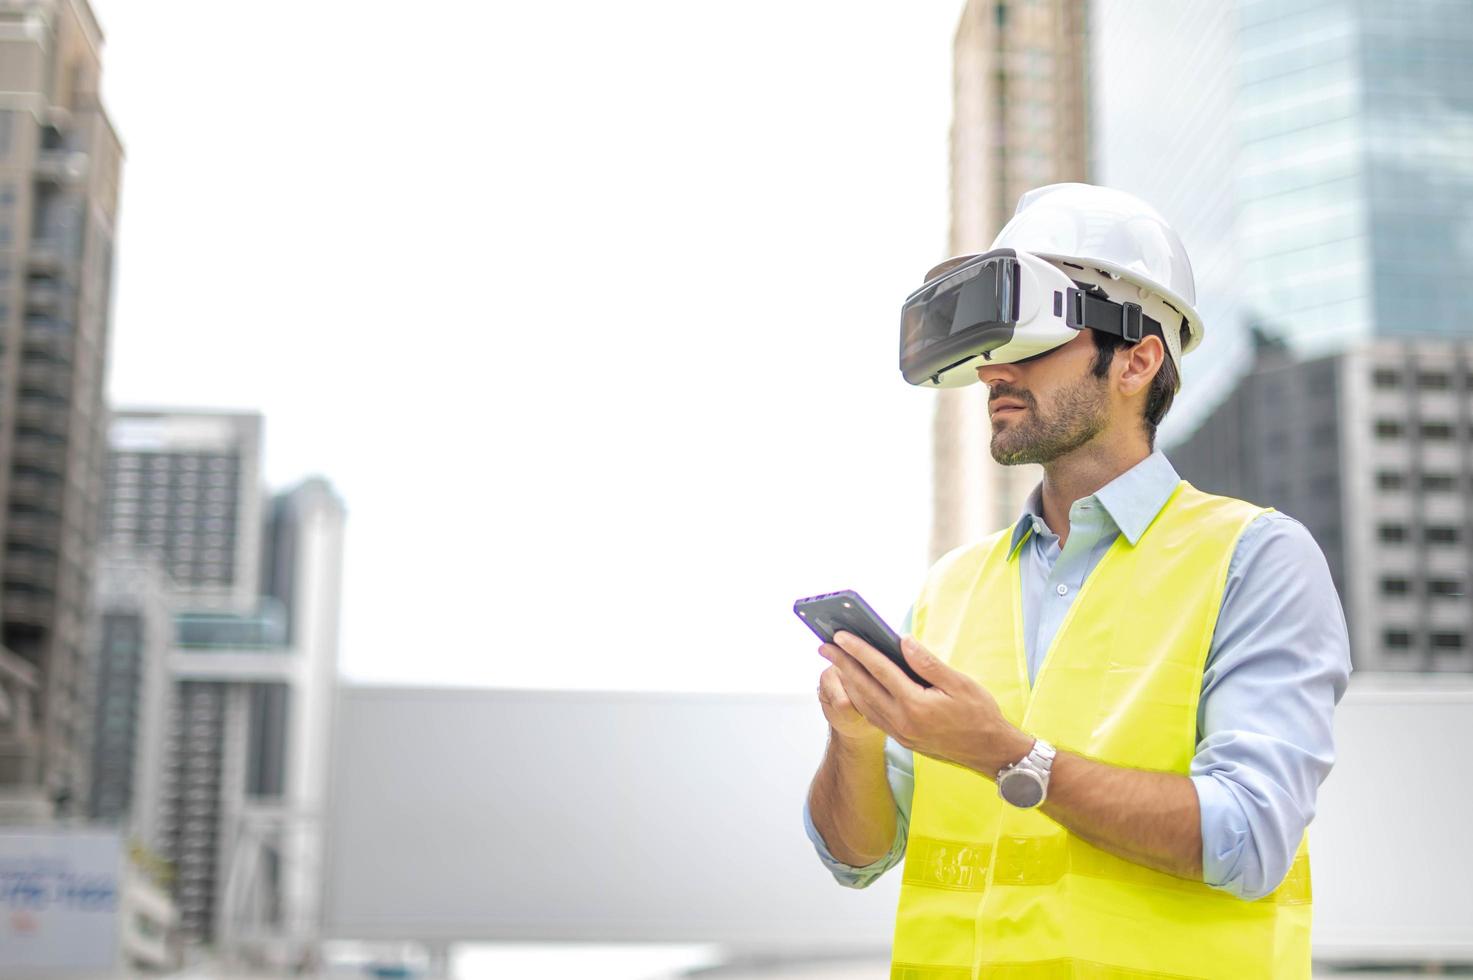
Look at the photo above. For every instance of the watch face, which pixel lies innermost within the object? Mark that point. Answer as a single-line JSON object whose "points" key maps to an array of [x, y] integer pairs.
{"points": [[1021, 788]]}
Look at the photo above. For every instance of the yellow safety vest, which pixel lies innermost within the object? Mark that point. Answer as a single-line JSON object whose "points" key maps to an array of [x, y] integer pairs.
{"points": [[991, 891]]}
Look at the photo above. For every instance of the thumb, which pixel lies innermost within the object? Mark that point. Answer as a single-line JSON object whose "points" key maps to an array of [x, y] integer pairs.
{"points": [[924, 662]]}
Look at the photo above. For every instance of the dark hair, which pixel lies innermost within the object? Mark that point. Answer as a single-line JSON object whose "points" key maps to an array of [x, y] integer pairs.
{"points": [[1163, 385]]}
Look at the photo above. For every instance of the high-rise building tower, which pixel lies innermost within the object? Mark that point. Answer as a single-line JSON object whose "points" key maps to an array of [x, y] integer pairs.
{"points": [[1355, 188], [1372, 450], [1019, 120], [184, 487], [1313, 157], [60, 163], [231, 787], [1175, 146], [1321, 154]]}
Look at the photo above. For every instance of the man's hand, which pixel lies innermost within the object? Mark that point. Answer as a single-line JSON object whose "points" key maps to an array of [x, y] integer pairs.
{"points": [[956, 720], [843, 717], [1151, 818]]}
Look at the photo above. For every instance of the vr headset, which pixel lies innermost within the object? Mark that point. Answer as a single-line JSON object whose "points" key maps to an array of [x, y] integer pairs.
{"points": [[1002, 307]]}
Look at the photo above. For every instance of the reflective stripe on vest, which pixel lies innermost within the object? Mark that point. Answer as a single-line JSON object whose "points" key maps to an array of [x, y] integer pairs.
{"points": [[991, 891]]}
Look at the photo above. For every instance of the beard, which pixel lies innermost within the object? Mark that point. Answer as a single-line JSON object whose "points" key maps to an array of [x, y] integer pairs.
{"points": [[1079, 413]]}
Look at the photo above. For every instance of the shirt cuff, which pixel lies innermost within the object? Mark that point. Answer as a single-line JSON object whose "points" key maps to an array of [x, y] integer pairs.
{"points": [[850, 875], [1225, 835]]}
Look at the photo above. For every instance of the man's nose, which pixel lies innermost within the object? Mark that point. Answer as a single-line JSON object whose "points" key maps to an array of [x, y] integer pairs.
{"points": [[991, 374]]}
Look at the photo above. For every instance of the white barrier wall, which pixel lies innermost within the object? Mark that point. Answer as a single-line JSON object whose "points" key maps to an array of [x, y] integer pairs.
{"points": [[502, 815]]}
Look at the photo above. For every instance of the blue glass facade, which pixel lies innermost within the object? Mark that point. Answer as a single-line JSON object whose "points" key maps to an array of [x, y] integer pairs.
{"points": [[1355, 167], [1163, 92]]}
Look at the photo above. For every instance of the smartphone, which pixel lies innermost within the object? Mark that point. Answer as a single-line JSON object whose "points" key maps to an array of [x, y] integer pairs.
{"points": [[833, 611]]}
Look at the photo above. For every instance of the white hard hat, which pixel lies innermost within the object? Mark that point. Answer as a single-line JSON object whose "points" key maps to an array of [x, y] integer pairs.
{"points": [[1118, 233]]}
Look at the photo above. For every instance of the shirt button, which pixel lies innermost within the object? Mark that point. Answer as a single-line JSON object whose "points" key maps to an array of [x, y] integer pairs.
{"points": [[1063, 589]]}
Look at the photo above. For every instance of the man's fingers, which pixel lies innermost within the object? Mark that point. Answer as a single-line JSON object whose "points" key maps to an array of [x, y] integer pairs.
{"points": [[873, 712], [925, 663], [831, 689], [880, 667], [868, 695]]}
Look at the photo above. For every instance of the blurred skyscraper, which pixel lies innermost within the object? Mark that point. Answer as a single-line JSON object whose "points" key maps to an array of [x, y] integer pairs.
{"points": [[1020, 119], [1372, 449], [1355, 121], [1317, 159], [185, 488], [60, 163], [1163, 91], [230, 786]]}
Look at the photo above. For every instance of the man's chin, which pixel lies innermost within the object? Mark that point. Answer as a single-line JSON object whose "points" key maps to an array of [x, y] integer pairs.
{"points": [[1010, 455]]}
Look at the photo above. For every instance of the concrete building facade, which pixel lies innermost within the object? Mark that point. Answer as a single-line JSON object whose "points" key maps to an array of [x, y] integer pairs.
{"points": [[1372, 449], [232, 788], [1020, 119], [60, 165]]}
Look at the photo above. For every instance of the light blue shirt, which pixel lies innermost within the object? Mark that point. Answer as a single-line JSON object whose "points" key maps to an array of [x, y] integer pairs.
{"points": [[1278, 665]]}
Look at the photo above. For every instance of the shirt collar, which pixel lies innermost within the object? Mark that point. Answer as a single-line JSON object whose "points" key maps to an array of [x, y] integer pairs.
{"points": [[1132, 499]]}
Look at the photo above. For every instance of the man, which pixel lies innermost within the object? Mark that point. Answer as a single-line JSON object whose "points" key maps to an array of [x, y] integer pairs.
{"points": [[1133, 692]]}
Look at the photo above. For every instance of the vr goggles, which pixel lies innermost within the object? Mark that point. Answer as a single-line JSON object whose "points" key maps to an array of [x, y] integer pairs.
{"points": [[1002, 307]]}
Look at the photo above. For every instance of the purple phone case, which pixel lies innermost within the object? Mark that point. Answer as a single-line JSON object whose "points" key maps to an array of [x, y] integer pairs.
{"points": [[846, 610]]}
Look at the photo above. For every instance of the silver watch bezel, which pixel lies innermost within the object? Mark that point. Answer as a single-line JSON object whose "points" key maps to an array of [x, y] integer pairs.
{"points": [[1034, 769]]}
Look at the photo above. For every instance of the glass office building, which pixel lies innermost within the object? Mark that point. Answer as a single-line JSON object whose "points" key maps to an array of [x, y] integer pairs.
{"points": [[1316, 156], [1162, 90], [1355, 168]]}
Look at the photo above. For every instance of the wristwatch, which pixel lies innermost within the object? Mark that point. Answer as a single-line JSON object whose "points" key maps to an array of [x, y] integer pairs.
{"points": [[1025, 782]]}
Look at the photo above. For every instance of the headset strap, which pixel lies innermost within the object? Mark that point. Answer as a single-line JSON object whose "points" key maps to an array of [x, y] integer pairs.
{"points": [[1091, 308]]}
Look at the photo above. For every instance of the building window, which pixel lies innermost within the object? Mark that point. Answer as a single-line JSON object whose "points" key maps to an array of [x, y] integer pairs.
{"points": [[1388, 429], [1440, 534], [1449, 588], [1397, 639], [1447, 641], [1439, 431], [1390, 480], [1433, 381], [1439, 481], [1394, 586], [1393, 532], [1386, 378]]}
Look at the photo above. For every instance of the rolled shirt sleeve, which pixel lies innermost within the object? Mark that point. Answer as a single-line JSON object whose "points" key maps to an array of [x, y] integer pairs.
{"points": [[1280, 662], [899, 773]]}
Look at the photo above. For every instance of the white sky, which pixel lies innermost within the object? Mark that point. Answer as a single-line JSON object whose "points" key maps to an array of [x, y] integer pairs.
{"points": [[588, 310]]}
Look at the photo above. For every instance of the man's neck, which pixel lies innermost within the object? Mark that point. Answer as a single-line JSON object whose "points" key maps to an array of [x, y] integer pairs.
{"points": [[1078, 474]]}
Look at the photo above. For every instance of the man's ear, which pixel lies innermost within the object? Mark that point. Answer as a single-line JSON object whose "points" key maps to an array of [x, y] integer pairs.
{"points": [[1142, 361]]}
